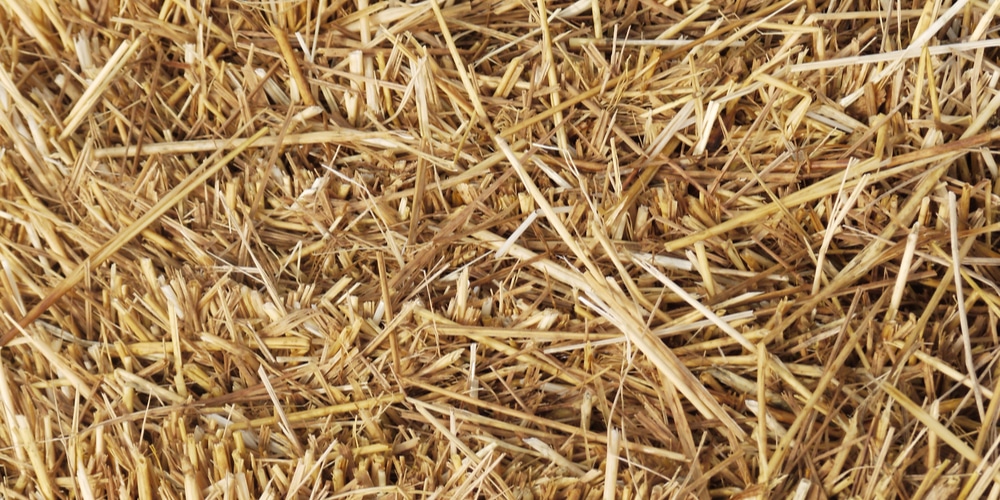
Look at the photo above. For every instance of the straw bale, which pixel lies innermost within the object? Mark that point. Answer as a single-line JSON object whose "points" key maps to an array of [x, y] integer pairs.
{"points": [[498, 249]]}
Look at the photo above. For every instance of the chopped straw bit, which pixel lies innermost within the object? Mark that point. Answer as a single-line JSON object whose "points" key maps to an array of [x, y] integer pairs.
{"points": [[490, 249]]}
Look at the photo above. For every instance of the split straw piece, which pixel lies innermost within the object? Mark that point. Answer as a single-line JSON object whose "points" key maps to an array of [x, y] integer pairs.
{"points": [[101, 82], [963, 317], [893, 55], [112, 246], [293, 66], [697, 305], [337, 136]]}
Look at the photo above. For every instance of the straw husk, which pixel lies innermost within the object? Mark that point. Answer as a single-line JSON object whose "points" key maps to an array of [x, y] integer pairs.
{"points": [[473, 249]]}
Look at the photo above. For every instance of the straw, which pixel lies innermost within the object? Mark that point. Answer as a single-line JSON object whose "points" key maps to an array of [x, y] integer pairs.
{"points": [[546, 249]]}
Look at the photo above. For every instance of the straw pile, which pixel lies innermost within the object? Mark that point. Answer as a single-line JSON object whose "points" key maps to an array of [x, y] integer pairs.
{"points": [[498, 249]]}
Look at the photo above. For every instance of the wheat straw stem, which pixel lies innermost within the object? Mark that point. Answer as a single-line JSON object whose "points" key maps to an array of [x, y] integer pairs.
{"points": [[963, 318]]}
